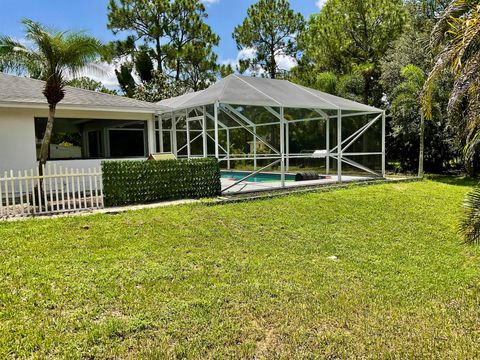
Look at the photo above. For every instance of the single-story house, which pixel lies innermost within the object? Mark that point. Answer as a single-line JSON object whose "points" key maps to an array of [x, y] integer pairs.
{"points": [[89, 126]]}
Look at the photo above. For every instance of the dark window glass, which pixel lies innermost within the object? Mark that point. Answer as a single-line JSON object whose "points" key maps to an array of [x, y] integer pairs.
{"points": [[126, 143], [95, 144]]}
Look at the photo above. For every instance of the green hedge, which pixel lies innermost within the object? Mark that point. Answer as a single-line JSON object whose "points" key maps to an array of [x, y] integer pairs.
{"points": [[142, 182]]}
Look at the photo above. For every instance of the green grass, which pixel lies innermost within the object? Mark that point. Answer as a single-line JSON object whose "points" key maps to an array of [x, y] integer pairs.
{"points": [[248, 280]]}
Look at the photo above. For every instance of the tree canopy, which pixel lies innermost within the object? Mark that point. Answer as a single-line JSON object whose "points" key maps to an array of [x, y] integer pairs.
{"points": [[87, 83], [168, 36], [270, 28], [351, 37]]}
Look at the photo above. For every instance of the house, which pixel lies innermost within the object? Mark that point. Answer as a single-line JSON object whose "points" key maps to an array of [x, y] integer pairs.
{"points": [[89, 126]]}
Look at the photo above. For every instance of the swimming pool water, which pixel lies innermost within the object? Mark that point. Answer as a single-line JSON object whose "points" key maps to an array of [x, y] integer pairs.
{"points": [[260, 177]]}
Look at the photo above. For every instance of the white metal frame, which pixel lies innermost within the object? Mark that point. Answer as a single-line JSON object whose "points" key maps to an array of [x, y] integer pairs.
{"points": [[282, 155]]}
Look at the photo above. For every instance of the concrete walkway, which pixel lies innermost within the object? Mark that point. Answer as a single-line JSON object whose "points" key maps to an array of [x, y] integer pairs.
{"points": [[246, 186]]}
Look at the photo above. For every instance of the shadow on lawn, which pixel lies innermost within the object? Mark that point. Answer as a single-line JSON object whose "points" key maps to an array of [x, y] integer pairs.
{"points": [[455, 180]]}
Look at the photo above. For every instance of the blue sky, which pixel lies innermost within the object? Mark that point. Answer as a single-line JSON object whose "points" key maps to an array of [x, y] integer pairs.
{"points": [[91, 16]]}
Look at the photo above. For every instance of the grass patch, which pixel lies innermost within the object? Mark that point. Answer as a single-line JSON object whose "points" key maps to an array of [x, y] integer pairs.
{"points": [[255, 279]]}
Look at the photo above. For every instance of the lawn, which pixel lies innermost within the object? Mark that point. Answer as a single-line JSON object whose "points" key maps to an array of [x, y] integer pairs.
{"points": [[247, 280]]}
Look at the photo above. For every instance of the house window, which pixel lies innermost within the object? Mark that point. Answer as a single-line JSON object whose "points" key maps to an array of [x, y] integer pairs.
{"points": [[95, 144], [93, 139], [126, 142]]}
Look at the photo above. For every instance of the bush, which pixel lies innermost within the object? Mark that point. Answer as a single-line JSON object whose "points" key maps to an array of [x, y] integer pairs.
{"points": [[141, 182]]}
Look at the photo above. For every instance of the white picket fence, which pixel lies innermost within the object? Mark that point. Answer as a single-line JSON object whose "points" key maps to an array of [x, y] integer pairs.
{"points": [[59, 190]]}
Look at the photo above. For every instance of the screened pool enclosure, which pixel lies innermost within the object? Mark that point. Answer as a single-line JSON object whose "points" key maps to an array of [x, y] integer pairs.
{"points": [[257, 126]]}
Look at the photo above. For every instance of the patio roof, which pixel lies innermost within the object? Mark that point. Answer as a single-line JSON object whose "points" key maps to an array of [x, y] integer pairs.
{"points": [[255, 91], [22, 91]]}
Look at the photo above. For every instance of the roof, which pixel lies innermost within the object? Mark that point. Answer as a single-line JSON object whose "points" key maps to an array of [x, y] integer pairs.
{"points": [[255, 91], [25, 91]]}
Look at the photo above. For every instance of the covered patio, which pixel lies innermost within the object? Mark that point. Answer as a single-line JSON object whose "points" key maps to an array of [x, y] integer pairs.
{"points": [[265, 126]]}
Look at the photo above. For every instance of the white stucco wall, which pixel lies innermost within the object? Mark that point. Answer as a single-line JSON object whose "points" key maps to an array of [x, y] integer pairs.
{"points": [[17, 140], [83, 164], [17, 136]]}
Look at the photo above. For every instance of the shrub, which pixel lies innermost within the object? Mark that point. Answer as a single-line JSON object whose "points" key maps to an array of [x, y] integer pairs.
{"points": [[141, 182]]}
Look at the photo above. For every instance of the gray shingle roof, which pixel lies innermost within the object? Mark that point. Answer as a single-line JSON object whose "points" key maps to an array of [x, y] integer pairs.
{"points": [[21, 90], [246, 90]]}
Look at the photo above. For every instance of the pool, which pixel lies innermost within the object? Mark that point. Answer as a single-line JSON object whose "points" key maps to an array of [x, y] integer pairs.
{"points": [[260, 177]]}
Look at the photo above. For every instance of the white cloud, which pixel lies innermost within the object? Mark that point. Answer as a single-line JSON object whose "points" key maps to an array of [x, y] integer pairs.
{"points": [[284, 62], [320, 3], [210, 2], [247, 53]]}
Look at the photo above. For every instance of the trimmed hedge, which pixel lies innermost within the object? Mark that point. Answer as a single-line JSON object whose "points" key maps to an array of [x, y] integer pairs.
{"points": [[142, 182]]}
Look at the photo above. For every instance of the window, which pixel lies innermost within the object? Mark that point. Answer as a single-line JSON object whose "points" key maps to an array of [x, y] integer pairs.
{"points": [[126, 142], [95, 144], [93, 139]]}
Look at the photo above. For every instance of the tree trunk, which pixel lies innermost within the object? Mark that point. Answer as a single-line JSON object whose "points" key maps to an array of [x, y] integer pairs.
{"points": [[159, 56], [273, 64], [177, 75], [44, 150], [366, 89], [422, 145]]}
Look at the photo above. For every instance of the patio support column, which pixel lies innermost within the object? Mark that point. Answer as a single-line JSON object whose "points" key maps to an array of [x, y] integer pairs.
{"points": [[287, 146], [151, 135], [215, 116], [339, 145], [204, 129], [282, 145], [228, 149], [189, 151], [174, 136], [383, 144], [160, 132], [327, 141], [254, 148]]}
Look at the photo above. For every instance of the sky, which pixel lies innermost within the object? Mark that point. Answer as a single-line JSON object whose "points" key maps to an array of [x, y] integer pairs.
{"points": [[91, 16]]}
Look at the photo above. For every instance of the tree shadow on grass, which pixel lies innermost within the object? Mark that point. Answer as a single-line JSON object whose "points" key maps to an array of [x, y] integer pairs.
{"points": [[455, 180]]}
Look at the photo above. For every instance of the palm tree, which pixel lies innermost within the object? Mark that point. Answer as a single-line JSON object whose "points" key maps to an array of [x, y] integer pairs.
{"points": [[406, 98], [53, 56], [455, 40]]}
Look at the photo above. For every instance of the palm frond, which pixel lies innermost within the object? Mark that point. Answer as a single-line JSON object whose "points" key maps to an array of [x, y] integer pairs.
{"points": [[469, 77], [470, 222], [456, 9]]}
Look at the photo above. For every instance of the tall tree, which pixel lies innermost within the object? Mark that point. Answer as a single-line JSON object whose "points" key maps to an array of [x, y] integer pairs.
{"points": [[427, 9], [351, 37], [52, 56], [144, 65], [406, 97], [403, 124], [189, 37], [270, 28], [175, 37], [456, 43], [147, 19], [200, 67]]}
